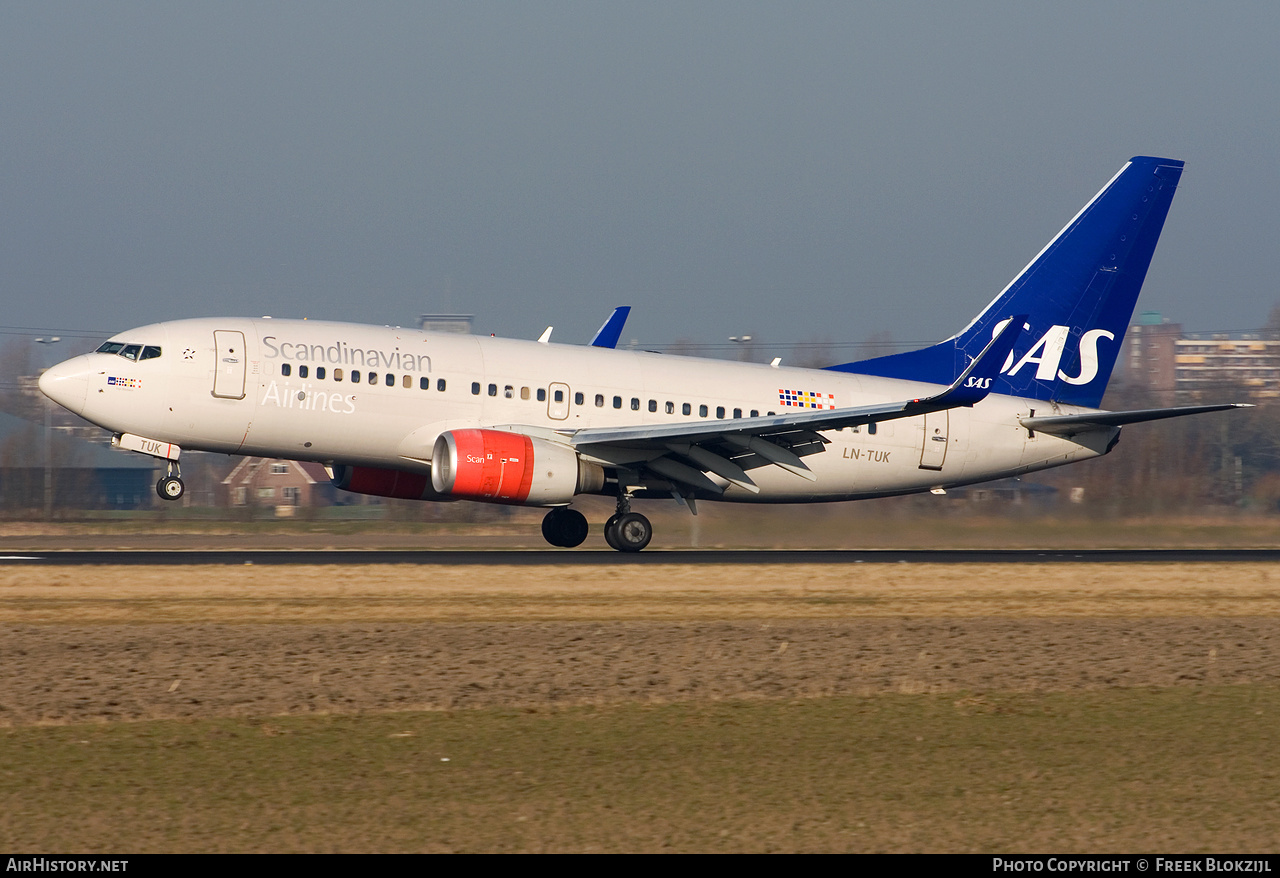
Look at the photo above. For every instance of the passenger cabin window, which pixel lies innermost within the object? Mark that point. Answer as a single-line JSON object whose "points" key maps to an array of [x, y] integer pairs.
{"points": [[475, 388], [407, 382], [355, 376], [150, 352], [493, 390], [320, 373], [578, 399], [509, 392], [599, 400], [653, 405], [373, 377], [871, 428], [424, 383], [635, 404], [617, 402], [755, 413], [737, 413], [302, 371], [286, 370], [559, 396], [390, 380], [686, 409], [702, 411], [524, 393], [337, 374], [440, 385], [671, 407], [542, 394], [719, 411]]}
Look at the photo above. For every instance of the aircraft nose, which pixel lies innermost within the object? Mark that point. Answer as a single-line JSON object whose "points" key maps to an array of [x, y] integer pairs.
{"points": [[67, 383]]}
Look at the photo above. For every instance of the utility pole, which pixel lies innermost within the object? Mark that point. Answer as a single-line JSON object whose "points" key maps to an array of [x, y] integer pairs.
{"points": [[48, 428]]}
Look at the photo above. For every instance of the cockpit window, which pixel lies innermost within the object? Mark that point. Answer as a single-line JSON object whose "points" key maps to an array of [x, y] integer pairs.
{"points": [[130, 351]]}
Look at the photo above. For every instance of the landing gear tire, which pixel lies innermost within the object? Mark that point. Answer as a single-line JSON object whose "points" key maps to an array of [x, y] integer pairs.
{"points": [[170, 488], [611, 533], [631, 532], [565, 528]]}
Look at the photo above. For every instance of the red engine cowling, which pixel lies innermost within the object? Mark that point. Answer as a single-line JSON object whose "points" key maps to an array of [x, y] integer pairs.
{"points": [[506, 467], [400, 484]]}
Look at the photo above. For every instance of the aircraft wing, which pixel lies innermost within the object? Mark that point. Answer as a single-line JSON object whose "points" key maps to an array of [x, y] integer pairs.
{"points": [[683, 452], [1072, 424]]}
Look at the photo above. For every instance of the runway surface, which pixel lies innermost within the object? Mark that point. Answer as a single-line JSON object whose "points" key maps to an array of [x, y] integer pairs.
{"points": [[74, 558]]}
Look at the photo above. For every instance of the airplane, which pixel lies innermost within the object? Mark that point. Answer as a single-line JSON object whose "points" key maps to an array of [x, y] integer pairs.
{"points": [[403, 413]]}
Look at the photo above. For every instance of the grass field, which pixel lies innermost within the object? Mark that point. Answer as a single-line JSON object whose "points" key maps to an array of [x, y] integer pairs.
{"points": [[893, 523], [904, 707], [321, 594], [1175, 770]]}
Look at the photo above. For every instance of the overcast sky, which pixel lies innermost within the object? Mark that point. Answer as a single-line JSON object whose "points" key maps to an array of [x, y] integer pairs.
{"points": [[798, 171]]}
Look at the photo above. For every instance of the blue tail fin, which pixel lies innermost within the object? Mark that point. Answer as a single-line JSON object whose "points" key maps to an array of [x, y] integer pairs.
{"points": [[1079, 294]]}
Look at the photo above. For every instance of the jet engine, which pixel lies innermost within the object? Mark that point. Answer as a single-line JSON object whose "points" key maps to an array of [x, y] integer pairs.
{"points": [[506, 467]]}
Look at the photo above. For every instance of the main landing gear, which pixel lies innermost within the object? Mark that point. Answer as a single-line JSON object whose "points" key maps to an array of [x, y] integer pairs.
{"points": [[625, 530], [565, 527], [628, 532], [171, 487]]}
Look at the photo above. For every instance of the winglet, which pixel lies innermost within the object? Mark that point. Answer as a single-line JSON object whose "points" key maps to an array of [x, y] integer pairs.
{"points": [[608, 334], [975, 381]]}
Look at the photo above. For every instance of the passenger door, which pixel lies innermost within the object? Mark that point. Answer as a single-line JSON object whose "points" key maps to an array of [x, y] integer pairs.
{"points": [[229, 372]]}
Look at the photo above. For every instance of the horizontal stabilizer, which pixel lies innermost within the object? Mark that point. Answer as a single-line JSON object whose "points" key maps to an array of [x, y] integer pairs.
{"points": [[1069, 424]]}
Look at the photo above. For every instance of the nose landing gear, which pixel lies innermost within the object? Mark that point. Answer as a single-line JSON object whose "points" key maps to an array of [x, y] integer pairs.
{"points": [[171, 487]]}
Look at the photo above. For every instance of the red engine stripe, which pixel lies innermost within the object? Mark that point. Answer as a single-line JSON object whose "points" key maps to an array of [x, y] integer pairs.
{"points": [[493, 464]]}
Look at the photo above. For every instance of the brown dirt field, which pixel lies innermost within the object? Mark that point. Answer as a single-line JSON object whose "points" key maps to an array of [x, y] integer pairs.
{"points": [[96, 644]]}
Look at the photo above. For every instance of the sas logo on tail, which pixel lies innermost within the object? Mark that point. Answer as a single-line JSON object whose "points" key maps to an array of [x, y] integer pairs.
{"points": [[1047, 354]]}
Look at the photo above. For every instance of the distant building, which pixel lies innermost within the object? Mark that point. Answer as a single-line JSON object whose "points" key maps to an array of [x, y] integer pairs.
{"points": [[1242, 360], [460, 323], [283, 484], [84, 474], [1179, 366], [1150, 361]]}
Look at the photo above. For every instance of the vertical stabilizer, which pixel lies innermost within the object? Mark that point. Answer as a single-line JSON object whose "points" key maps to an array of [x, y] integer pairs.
{"points": [[1079, 294]]}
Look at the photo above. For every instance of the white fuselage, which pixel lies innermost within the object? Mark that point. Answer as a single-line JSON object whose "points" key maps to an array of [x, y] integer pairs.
{"points": [[285, 389]]}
